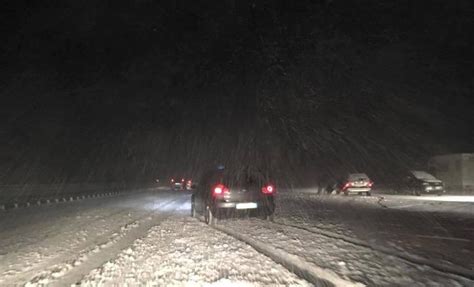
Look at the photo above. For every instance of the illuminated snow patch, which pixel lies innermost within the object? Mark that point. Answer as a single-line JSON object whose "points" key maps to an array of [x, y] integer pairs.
{"points": [[448, 198]]}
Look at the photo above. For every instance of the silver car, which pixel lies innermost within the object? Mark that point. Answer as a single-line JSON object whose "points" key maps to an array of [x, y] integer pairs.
{"points": [[358, 183]]}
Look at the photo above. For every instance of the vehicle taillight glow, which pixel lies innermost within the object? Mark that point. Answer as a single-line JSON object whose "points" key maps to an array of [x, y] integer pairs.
{"points": [[370, 183], [269, 189], [219, 189], [172, 180], [347, 185]]}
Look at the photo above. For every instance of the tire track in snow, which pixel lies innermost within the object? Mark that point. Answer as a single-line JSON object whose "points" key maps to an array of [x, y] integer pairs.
{"points": [[413, 259], [88, 252], [56, 232], [71, 270], [57, 227], [95, 259], [308, 271]]}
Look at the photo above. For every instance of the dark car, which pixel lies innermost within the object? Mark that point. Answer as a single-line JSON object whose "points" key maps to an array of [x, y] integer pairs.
{"points": [[419, 182], [222, 192], [354, 183]]}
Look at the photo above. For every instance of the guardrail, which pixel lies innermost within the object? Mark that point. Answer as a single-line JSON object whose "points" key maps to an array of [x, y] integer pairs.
{"points": [[17, 196]]}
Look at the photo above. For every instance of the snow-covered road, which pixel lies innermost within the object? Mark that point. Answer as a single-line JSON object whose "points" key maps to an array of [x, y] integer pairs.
{"points": [[184, 251], [64, 241], [147, 238]]}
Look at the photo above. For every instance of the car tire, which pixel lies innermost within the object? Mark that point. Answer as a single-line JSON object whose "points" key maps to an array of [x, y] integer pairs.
{"points": [[265, 214], [270, 217], [416, 192], [368, 193], [346, 193], [193, 210], [209, 216]]}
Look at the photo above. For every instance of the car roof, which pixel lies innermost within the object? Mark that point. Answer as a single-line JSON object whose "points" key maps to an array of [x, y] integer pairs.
{"points": [[357, 175], [420, 174]]}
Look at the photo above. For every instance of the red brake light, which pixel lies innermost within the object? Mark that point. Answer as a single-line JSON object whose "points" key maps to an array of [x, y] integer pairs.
{"points": [[182, 180], [269, 189], [172, 180], [219, 189], [370, 183], [347, 185]]}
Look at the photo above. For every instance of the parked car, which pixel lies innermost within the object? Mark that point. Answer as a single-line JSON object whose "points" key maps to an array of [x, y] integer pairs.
{"points": [[177, 184], [222, 192], [358, 183], [418, 182], [189, 185]]}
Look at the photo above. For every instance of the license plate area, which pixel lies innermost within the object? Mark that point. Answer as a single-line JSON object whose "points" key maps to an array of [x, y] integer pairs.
{"points": [[246, 205]]}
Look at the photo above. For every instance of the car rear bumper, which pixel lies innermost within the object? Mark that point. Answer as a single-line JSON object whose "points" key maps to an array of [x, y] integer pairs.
{"points": [[433, 189], [247, 205], [239, 205], [225, 204], [358, 189]]}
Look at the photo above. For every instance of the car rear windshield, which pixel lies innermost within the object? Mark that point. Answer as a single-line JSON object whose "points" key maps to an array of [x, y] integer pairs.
{"points": [[422, 175], [243, 179], [358, 177]]}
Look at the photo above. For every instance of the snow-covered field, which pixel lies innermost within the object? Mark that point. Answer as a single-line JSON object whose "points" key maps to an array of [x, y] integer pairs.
{"points": [[437, 232], [353, 263], [433, 203], [463, 205], [146, 238]]}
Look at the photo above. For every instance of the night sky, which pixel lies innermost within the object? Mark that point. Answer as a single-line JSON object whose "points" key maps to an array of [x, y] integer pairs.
{"points": [[136, 90]]}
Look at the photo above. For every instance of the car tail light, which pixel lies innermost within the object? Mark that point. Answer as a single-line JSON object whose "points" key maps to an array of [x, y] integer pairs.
{"points": [[220, 189], [182, 180], [347, 185], [269, 189], [370, 183], [172, 180]]}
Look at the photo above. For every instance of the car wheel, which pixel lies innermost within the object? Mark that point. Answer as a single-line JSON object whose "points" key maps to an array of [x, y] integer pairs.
{"points": [[368, 193], [193, 210], [209, 217], [270, 217], [416, 192], [346, 193], [265, 214]]}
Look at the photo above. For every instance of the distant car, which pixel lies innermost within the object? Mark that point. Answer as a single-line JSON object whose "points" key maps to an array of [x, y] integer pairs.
{"points": [[177, 184], [418, 182], [358, 183], [189, 185], [221, 193]]}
